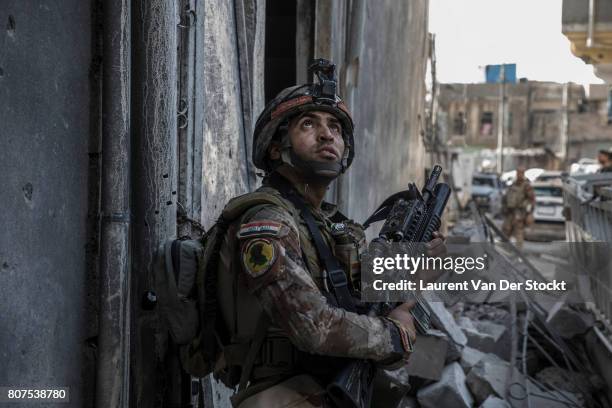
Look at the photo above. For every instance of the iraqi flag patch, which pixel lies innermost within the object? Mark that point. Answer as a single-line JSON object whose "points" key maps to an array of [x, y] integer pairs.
{"points": [[259, 229]]}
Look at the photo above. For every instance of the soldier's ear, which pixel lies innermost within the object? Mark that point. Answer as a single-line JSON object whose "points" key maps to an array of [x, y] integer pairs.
{"points": [[274, 151]]}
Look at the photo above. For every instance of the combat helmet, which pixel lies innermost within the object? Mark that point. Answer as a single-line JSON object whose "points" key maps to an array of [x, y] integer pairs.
{"points": [[273, 122]]}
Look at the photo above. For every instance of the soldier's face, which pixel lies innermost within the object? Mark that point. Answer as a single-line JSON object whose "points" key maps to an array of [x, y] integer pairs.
{"points": [[520, 174], [317, 136], [602, 158]]}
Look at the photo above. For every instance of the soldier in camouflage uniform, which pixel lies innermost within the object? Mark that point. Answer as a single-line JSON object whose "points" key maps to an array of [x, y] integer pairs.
{"points": [[284, 333], [604, 157], [518, 205]]}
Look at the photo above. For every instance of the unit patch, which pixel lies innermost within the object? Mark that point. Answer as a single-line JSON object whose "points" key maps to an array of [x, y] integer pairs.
{"points": [[259, 229], [258, 256]]}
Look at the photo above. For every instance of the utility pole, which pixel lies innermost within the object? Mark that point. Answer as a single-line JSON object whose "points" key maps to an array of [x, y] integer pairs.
{"points": [[564, 137], [500, 122]]}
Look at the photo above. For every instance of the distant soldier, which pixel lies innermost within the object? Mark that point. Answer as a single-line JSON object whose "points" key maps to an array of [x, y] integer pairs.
{"points": [[604, 157], [518, 205]]}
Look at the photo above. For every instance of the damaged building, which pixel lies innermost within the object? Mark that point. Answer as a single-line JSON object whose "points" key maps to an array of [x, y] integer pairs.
{"points": [[551, 123]]}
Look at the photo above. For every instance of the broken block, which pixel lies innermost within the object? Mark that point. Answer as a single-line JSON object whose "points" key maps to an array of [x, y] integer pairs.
{"points": [[490, 377], [429, 356], [408, 402], [569, 322], [470, 357], [487, 337], [450, 391], [494, 402], [443, 320]]}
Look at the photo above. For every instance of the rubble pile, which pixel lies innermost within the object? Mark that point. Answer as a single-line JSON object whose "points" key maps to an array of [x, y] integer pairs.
{"points": [[465, 362], [468, 359]]}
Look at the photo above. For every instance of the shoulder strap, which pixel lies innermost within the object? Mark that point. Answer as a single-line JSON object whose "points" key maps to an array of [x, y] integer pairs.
{"points": [[236, 207], [260, 334], [335, 273]]}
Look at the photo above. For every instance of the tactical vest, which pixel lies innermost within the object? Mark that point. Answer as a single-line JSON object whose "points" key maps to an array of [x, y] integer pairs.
{"points": [[240, 310], [516, 197]]}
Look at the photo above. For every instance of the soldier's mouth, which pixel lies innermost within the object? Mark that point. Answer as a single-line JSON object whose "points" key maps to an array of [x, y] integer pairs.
{"points": [[328, 152]]}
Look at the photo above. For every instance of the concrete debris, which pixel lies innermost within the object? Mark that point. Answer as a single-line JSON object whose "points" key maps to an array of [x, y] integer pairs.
{"points": [[391, 386], [493, 402], [408, 402], [429, 356], [492, 329], [486, 311], [569, 322], [399, 377], [564, 380], [554, 399], [485, 337], [468, 230], [469, 358], [443, 320], [466, 323], [490, 376], [450, 391], [453, 352]]}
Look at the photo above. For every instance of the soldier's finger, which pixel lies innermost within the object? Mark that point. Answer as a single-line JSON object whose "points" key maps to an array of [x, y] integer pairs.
{"points": [[435, 243], [408, 305], [437, 248], [438, 234]]}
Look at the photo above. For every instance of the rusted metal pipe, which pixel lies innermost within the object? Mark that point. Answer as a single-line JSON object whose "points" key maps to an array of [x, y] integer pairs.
{"points": [[112, 380]]}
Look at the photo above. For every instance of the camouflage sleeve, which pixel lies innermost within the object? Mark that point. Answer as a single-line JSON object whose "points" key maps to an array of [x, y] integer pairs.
{"points": [[530, 193], [276, 274]]}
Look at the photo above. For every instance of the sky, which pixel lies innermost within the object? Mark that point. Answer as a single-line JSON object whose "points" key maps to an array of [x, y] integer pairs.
{"points": [[473, 33]]}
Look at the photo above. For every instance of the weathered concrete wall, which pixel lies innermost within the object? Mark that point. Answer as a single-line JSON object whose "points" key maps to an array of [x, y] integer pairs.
{"points": [[227, 125], [155, 185], [45, 57], [389, 105]]}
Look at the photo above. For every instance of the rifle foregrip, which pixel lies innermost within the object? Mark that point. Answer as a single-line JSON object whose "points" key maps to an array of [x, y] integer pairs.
{"points": [[434, 225]]}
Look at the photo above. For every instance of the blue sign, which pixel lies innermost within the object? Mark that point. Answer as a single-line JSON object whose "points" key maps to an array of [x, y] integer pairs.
{"points": [[494, 73]]}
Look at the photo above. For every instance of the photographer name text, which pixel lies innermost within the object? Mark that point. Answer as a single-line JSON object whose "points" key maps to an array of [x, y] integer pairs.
{"points": [[471, 285]]}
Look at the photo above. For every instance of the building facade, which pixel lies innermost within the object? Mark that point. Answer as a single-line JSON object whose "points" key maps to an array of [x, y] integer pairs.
{"points": [[562, 122]]}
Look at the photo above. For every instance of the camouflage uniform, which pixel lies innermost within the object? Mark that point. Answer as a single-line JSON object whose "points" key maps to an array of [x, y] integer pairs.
{"points": [[282, 330], [606, 169], [268, 265], [516, 201]]}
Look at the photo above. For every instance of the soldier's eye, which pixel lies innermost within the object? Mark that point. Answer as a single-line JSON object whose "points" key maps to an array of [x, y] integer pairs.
{"points": [[307, 123], [335, 128]]}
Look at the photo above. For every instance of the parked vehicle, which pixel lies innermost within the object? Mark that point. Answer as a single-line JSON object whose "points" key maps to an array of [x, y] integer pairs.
{"points": [[551, 176], [531, 174], [549, 201], [487, 192], [585, 166]]}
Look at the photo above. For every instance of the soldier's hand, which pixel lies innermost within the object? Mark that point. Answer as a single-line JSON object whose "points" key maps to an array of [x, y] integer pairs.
{"points": [[436, 247], [402, 315]]}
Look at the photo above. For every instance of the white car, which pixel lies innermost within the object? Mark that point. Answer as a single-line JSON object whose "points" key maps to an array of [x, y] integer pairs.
{"points": [[549, 202], [585, 166], [487, 192], [531, 174]]}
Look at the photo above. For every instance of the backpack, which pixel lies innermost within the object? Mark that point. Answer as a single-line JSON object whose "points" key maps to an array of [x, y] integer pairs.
{"points": [[185, 279]]}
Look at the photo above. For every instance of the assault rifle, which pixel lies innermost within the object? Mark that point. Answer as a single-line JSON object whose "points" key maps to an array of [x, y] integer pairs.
{"points": [[411, 216]]}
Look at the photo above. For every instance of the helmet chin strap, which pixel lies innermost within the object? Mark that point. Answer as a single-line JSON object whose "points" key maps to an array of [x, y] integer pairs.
{"points": [[311, 168]]}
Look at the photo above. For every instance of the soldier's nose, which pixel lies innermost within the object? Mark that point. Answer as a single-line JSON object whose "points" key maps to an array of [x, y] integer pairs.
{"points": [[325, 134]]}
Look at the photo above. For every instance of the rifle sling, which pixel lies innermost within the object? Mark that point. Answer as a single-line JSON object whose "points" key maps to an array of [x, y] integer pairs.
{"points": [[335, 273]]}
